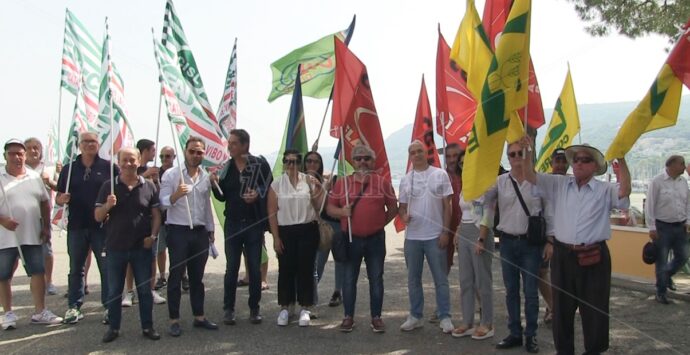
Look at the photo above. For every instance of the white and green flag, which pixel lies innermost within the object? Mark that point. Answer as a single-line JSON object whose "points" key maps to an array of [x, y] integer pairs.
{"points": [[111, 107]]}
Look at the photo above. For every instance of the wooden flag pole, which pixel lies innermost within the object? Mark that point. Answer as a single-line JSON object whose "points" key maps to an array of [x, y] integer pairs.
{"points": [[179, 166], [347, 194]]}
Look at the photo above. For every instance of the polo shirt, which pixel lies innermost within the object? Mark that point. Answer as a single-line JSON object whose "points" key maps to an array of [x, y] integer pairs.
{"points": [[129, 221], [369, 215], [83, 187]]}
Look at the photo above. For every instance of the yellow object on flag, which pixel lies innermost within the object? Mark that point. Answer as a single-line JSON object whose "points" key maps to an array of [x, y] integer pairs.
{"points": [[565, 124]]}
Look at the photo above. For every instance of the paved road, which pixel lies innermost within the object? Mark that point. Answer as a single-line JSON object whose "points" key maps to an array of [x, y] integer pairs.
{"points": [[638, 325]]}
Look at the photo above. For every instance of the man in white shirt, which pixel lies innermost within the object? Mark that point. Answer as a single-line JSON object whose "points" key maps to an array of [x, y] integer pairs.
{"points": [[668, 210], [25, 221], [519, 258], [186, 195], [581, 263], [425, 197]]}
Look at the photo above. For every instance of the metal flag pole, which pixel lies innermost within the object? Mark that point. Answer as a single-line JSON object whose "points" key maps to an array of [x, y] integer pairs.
{"points": [[158, 126], [9, 210], [347, 194], [69, 178], [179, 166], [443, 127]]}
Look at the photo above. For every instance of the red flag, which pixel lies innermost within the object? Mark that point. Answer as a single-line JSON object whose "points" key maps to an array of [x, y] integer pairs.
{"points": [[495, 14], [678, 59], [453, 100], [354, 110], [422, 131]]}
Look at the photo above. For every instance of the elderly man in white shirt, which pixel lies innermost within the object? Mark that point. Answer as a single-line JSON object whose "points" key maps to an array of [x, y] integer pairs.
{"points": [[667, 215], [581, 263], [188, 240]]}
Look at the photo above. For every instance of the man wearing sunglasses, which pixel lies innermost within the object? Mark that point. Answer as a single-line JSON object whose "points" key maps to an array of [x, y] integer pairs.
{"points": [[244, 183], [520, 260], [372, 205], [186, 195], [87, 173], [581, 263]]}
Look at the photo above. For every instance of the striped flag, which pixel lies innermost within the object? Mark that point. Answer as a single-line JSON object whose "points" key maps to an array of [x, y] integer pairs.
{"points": [[175, 40], [184, 111], [81, 59], [227, 110], [112, 107]]}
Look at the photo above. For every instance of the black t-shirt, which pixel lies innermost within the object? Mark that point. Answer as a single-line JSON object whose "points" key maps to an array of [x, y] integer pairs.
{"points": [[129, 221], [83, 187]]}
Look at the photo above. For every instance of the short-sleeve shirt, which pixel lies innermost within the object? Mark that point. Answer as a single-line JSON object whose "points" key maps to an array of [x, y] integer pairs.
{"points": [[83, 187], [581, 214], [294, 202], [129, 221], [423, 192], [512, 217], [24, 195], [369, 215]]}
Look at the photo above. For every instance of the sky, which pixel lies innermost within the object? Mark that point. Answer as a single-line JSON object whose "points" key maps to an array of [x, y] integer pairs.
{"points": [[395, 39]]}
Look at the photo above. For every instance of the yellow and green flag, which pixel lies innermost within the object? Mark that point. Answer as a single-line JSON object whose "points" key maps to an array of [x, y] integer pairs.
{"points": [[565, 124], [503, 91]]}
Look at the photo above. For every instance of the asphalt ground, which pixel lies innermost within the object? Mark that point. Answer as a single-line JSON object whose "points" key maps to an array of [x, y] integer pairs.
{"points": [[639, 325]]}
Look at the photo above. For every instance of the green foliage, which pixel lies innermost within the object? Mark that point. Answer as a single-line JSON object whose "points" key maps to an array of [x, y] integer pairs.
{"points": [[634, 18]]}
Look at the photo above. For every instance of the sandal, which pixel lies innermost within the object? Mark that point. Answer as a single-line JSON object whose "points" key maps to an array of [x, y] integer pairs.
{"points": [[483, 332], [264, 286], [462, 331], [548, 316]]}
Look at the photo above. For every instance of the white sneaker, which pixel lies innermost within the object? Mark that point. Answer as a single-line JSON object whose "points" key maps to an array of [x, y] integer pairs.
{"points": [[45, 317], [447, 325], [157, 298], [127, 299], [412, 323], [9, 321], [283, 317], [304, 318]]}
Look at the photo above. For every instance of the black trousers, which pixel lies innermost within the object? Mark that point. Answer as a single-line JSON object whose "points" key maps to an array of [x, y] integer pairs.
{"points": [[187, 247], [296, 264], [587, 288]]}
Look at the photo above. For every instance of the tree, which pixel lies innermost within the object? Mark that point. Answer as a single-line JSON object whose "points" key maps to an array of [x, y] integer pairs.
{"points": [[634, 18]]}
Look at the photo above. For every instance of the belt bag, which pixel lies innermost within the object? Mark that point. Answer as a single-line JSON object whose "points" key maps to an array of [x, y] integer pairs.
{"points": [[536, 225], [588, 255]]}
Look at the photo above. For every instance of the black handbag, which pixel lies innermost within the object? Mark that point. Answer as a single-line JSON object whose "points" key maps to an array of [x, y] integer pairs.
{"points": [[536, 225], [340, 245]]}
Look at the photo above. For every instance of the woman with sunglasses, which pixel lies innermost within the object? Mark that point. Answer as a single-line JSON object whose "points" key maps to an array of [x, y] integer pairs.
{"points": [[313, 165], [292, 219]]}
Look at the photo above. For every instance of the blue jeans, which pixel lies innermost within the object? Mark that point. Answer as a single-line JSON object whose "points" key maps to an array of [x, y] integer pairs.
{"points": [[239, 236], [436, 258], [373, 250], [320, 265], [117, 261], [519, 258], [78, 243], [670, 237]]}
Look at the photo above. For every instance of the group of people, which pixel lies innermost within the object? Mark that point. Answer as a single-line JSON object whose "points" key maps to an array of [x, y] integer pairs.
{"points": [[122, 219]]}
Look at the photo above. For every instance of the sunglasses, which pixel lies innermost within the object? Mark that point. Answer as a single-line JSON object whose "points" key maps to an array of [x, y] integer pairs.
{"points": [[165, 156], [365, 158], [290, 161], [515, 154], [89, 141], [196, 152], [583, 160], [87, 174], [312, 161]]}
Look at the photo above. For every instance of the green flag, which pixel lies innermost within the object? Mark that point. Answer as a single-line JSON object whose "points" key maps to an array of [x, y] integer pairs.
{"points": [[295, 135], [318, 67]]}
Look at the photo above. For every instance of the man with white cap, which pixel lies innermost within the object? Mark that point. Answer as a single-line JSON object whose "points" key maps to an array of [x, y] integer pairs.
{"points": [[25, 220], [581, 263]]}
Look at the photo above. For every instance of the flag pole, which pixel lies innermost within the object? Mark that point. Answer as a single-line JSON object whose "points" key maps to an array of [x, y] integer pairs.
{"points": [[59, 121], [443, 127], [315, 146], [9, 210], [186, 198], [347, 194], [112, 144], [69, 178], [158, 126]]}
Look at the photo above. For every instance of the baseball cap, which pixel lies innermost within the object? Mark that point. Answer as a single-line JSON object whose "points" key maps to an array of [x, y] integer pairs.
{"points": [[649, 253], [14, 141], [558, 152]]}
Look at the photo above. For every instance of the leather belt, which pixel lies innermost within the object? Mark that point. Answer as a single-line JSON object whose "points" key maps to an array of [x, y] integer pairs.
{"points": [[513, 236]]}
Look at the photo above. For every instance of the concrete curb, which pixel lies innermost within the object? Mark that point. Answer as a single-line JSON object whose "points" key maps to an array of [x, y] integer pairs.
{"points": [[647, 287]]}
